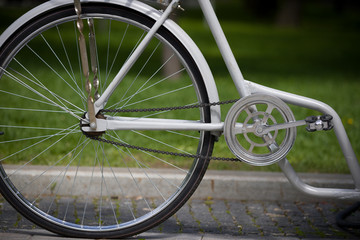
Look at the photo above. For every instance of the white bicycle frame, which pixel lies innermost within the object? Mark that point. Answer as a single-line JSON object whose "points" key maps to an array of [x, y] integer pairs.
{"points": [[243, 86]]}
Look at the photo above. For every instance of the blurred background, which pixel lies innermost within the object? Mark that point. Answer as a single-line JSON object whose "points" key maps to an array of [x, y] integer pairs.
{"points": [[308, 47]]}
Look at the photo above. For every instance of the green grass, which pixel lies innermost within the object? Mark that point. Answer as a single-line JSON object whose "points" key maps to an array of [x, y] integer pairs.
{"points": [[317, 60]]}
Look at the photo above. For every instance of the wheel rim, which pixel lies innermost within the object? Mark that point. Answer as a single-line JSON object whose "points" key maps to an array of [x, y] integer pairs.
{"points": [[24, 146]]}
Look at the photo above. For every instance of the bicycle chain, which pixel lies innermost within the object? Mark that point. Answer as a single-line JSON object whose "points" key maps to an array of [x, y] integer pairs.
{"points": [[201, 105], [90, 99]]}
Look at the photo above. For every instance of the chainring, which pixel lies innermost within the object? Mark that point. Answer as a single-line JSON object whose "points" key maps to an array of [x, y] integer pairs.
{"points": [[245, 129]]}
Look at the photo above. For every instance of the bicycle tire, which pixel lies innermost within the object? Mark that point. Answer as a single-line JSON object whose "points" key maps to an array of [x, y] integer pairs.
{"points": [[26, 78]]}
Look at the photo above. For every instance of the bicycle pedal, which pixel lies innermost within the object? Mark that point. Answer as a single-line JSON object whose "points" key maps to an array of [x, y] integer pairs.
{"points": [[319, 123]]}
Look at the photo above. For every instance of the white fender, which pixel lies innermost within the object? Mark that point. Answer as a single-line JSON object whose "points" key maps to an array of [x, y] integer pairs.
{"points": [[149, 11]]}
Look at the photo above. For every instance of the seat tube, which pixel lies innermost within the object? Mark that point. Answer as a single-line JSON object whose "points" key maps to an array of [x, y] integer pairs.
{"points": [[224, 47]]}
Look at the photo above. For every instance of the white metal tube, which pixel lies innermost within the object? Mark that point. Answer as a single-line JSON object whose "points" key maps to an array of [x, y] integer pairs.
{"points": [[339, 129], [341, 194], [224, 46], [175, 126], [124, 123], [101, 102]]}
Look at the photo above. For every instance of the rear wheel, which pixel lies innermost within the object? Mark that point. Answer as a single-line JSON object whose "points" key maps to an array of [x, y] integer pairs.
{"points": [[67, 183]]}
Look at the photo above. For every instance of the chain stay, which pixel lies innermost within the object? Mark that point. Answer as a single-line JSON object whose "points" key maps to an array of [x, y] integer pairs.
{"points": [[201, 105]]}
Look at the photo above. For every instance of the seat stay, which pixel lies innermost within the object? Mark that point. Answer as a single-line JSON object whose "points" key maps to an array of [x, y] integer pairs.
{"points": [[101, 102]]}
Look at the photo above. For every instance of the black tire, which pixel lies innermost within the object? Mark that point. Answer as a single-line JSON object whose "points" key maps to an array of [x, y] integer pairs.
{"points": [[28, 142]]}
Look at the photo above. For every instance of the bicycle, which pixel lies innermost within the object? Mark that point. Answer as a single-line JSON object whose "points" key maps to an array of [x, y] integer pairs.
{"points": [[117, 130]]}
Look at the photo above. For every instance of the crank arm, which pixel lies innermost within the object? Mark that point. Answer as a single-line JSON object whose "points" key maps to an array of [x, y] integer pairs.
{"points": [[262, 130], [267, 129], [313, 124]]}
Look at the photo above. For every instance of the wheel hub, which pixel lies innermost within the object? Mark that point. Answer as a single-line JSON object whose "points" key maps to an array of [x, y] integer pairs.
{"points": [[86, 128]]}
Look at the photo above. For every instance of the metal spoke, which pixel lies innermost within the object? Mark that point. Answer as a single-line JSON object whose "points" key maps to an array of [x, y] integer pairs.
{"points": [[53, 70], [70, 66], [182, 134], [118, 183], [150, 86], [163, 79], [108, 49], [149, 154], [136, 184], [42, 86], [165, 111], [161, 142], [36, 110], [38, 93], [104, 180], [49, 168], [88, 190], [138, 74], [141, 164], [32, 145], [75, 177], [56, 55], [58, 189], [160, 95], [116, 54], [147, 176], [30, 127], [150, 78], [31, 138], [101, 185], [27, 98]]}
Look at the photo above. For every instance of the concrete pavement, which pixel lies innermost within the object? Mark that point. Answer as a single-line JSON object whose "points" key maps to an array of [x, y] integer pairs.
{"points": [[220, 219], [230, 185], [251, 206]]}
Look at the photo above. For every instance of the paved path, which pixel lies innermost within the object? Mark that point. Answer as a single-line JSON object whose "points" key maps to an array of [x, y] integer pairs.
{"points": [[220, 219]]}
